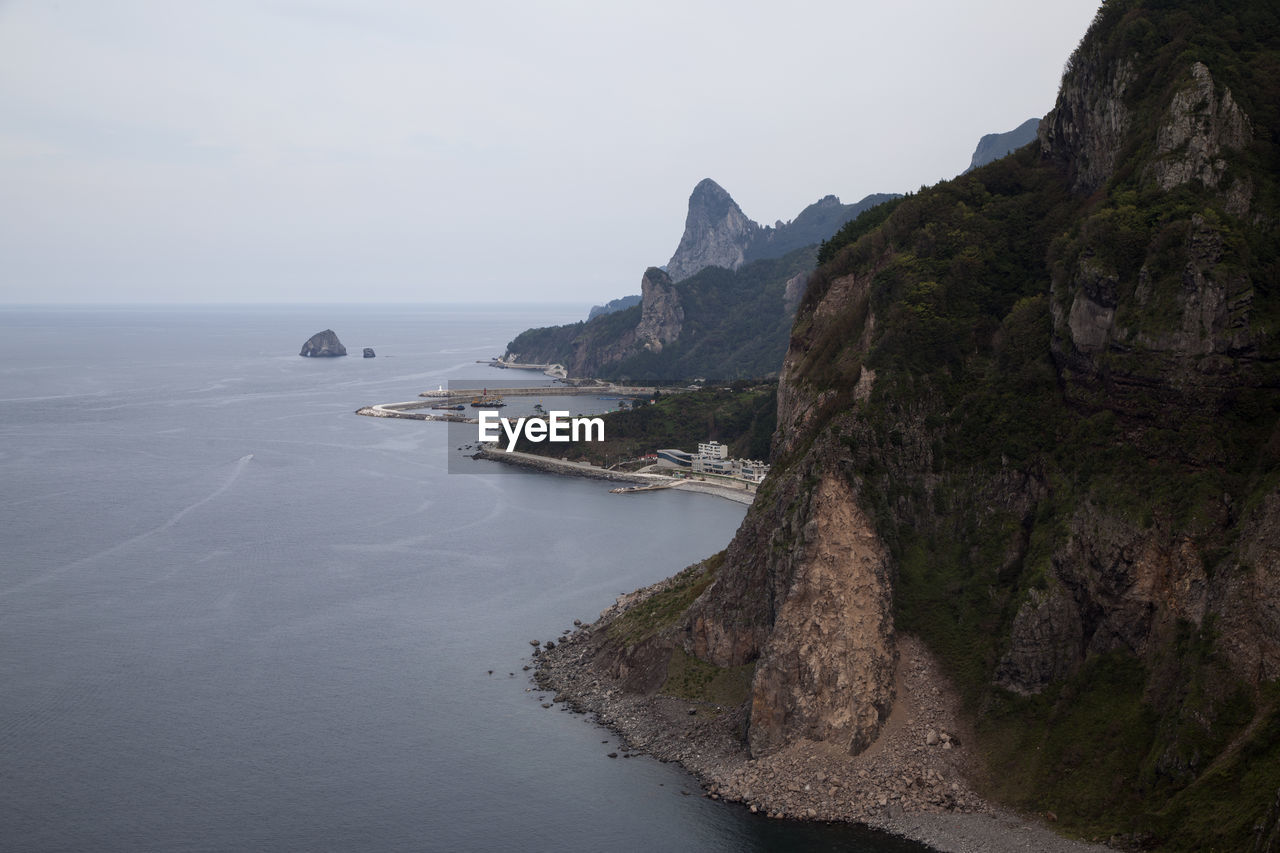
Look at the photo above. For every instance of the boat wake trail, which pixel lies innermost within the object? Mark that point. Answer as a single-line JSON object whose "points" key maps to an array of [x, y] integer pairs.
{"points": [[241, 463], [226, 484]]}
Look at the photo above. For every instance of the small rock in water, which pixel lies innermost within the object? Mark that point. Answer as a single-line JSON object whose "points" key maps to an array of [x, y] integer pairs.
{"points": [[613, 755], [368, 352], [535, 642]]}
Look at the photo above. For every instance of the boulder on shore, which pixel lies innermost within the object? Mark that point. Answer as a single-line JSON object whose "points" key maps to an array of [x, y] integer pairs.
{"points": [[368, 352], [325, 344]]}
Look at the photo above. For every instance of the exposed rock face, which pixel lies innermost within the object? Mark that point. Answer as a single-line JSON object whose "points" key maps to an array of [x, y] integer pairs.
{"points": [[795, 291], [1085, 130], [1065, 477], [1245, 604], [1197, 128], [323, 344], [1191, 347], [993, 146], [368, 352], [716, 233], [826, 673], [1046, 642], [717, 237], [661, 316], [1093, 308]]}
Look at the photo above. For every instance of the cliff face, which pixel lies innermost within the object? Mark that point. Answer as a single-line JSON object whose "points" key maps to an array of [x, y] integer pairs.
{"points": [[1084, 132], [1034, 417], [661, 316], [722, 324], [723, 308], [1199, 127], [826, 671], [716, 233]]}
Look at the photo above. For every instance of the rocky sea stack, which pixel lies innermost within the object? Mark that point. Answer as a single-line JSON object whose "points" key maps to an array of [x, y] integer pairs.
{"points": [[325, 344]]}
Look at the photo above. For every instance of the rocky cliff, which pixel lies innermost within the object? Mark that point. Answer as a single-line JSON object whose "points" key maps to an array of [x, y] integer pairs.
{"points": [[661, 316], [718, 234], [1034, 418], [721, 309], [720, 323]]}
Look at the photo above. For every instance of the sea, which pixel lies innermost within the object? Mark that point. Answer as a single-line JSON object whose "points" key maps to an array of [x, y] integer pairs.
{"points": [[235, 615]]}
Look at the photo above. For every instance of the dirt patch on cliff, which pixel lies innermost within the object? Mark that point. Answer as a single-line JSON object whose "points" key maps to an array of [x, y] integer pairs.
{"points": [[913, 780]]}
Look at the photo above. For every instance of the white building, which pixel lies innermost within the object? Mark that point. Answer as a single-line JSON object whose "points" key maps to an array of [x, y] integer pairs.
{"points": [[713, 458], [712, 450]]}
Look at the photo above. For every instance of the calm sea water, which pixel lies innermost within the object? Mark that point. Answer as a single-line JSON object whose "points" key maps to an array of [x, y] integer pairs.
{"points": [[236, 616]]}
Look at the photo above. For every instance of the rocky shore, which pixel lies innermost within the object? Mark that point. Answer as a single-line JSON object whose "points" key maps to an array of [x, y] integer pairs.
{"points": [[914, 781]]}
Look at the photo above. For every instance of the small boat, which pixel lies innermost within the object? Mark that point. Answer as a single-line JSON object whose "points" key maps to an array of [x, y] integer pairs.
{"points": [[451, 407]]}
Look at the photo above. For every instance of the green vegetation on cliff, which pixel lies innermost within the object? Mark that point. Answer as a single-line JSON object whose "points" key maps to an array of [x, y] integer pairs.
{"points": [[1035, 411], [735, 325], [1051, 387], [1071, 445]]}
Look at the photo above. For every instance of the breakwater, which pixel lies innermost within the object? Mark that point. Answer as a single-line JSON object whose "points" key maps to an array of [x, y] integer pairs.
{"points": [[558, 466]]}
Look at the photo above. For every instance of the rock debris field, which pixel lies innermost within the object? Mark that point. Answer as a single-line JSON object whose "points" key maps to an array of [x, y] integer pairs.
{"points": [[913, 781]]}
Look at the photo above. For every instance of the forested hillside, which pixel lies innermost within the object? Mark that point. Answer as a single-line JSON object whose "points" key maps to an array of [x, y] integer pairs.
{"points": [[1044, 401]]}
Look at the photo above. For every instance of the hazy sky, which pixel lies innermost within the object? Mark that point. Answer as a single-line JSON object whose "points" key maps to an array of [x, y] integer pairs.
{"points": [[414, 150]]}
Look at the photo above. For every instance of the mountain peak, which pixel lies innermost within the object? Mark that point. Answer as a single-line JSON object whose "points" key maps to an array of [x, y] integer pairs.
{"points": [[716, 232]]}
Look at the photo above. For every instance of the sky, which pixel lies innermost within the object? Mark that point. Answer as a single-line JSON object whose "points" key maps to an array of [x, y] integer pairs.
{"points": [[279, 151]]}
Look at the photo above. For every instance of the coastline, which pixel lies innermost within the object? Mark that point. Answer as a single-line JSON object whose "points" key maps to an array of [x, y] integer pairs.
{"points": [[912, 782], [564, 467]]}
